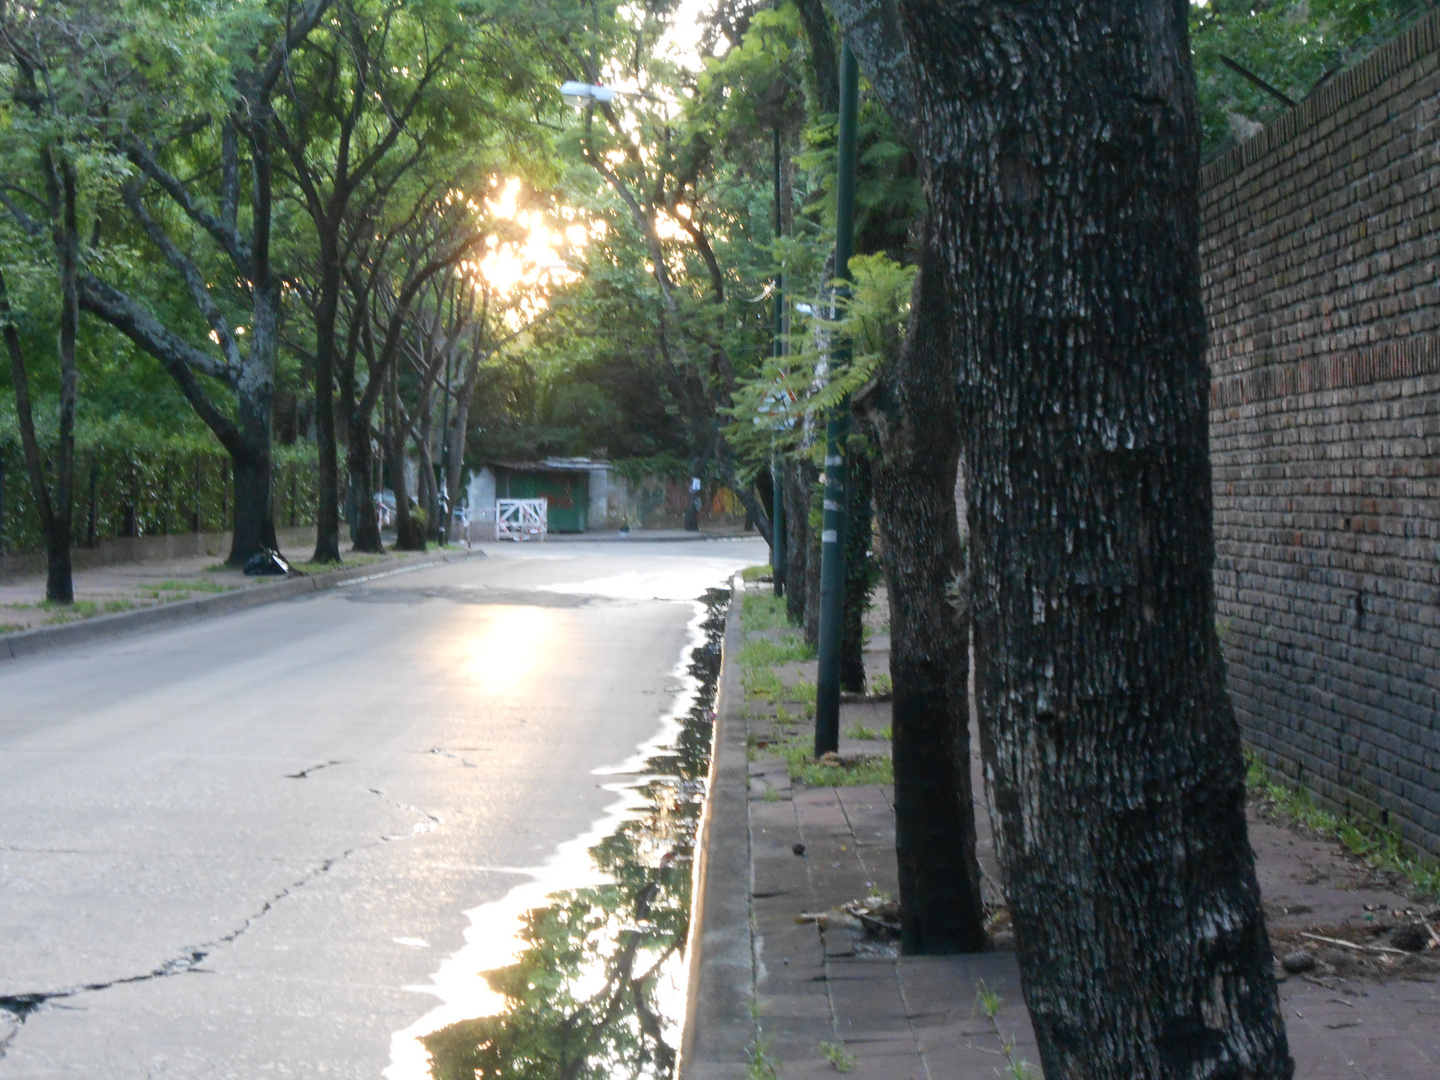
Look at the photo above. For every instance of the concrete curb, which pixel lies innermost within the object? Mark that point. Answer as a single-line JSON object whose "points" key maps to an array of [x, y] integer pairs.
{"points": [[45, 638], [720, 1023]]}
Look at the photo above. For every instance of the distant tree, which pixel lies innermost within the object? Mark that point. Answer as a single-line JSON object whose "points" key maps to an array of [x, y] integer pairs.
{"points": [[45, 50]]}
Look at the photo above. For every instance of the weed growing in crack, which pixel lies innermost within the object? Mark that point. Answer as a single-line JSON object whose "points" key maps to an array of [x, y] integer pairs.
{"points": [[758, 1063], [838, 1055], [1017, 1068]]}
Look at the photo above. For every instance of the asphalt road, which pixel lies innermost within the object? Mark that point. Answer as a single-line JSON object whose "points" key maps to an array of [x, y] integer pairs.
{"points": [[313, 794]]}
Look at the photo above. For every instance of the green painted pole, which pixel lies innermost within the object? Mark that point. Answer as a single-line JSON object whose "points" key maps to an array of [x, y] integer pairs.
{"points": [[777, 472], [832, 529]]}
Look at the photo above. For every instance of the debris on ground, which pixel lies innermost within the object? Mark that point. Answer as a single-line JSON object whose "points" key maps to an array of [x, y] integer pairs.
{"points": [[1405, 948], [268, 563]]}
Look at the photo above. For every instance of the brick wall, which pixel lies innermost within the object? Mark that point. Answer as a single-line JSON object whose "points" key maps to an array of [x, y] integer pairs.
{"points": [[1321, 262]]}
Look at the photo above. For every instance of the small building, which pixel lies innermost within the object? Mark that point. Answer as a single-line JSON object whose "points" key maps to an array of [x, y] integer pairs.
{"points": [[582, 492]]}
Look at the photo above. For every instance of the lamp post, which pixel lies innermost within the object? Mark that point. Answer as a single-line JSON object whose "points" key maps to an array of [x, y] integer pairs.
{"points": [[580, 94], [777, 473], [837, 430]]}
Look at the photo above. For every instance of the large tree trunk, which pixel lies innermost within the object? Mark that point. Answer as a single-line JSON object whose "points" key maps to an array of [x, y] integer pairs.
{"points": [[797, 539], [1060, 144], [910, 415]]}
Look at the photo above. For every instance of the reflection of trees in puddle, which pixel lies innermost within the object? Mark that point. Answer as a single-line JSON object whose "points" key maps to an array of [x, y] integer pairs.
{"points": [[597, 990]]}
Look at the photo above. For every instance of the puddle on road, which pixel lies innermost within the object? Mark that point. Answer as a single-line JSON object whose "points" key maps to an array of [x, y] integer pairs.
{"points": [[581, 972]]}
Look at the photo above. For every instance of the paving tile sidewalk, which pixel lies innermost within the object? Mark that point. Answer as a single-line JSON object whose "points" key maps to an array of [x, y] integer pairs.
{"points": [[815, 989]]}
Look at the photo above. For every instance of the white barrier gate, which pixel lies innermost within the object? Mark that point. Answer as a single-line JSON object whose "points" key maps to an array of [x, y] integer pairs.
{"points": [[515, 519]]}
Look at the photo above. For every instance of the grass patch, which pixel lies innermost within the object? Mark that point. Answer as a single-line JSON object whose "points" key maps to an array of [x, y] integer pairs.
{"points": [[79, 609], [756, 573], [880, 686], [768, 652], [804, 768], [1381, 846], [192, 586], [764, 611], [860, 731], [10, 627], [763, 683], [114, 606]]}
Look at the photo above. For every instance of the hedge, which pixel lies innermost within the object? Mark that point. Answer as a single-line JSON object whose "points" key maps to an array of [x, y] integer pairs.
{"points": [[133, 482]]}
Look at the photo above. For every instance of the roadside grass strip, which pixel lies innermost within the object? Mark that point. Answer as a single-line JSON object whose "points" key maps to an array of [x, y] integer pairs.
{"points": [[792, 736], [1381, 846], [764, 611]]}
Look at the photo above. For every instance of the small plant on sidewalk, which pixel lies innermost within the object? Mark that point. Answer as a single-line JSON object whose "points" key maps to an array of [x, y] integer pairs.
{"points": [[990, 1003], [838, 1055]]}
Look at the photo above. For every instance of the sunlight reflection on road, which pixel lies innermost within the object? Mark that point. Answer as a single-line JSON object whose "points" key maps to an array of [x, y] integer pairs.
{"points": [[667, 583], [503, 650]]}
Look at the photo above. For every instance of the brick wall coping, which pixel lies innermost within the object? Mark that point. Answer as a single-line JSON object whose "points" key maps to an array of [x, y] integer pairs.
{"points": [[1344, 87]]}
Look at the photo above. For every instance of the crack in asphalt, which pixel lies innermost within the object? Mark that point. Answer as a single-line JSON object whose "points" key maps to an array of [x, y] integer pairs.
{"points": [[15, 1009], [453, 757], [430, 824], [304, 774]]}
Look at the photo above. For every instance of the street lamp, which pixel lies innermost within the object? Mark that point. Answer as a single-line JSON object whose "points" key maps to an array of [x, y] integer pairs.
{"points": [[580, 94]]}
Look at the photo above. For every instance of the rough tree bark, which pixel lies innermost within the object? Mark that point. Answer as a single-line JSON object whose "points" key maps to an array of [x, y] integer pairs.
{"points": [[798, 483], [1061, 157], [859, 571], [909, 413]]}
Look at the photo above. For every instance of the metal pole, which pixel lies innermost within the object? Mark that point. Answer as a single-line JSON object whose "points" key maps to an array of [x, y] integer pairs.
{"points": [[777, 472], [832, 535]]}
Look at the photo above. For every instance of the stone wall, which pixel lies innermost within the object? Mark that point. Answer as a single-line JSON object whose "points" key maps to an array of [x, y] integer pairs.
{"points": [[1321, 241]]}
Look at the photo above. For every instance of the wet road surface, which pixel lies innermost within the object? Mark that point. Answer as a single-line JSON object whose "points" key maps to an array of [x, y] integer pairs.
{"points": [[242, 847]]}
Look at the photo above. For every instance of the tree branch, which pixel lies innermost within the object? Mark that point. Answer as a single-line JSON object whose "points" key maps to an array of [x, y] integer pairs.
{"points": [[222, 228], [195, 282]]}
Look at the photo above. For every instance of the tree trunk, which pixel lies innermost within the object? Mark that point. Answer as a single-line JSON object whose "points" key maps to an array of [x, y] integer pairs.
{"points": [[910, 416], [1060, 145], [360, 465], [59, 581], [812, 558], [797, 539], [250, 454], [408, 535], [859, 572], [327, 480]]}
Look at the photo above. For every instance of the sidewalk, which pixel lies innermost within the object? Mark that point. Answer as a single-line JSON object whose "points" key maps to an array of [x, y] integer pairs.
{"points": [[116, 597], [827, 995]]}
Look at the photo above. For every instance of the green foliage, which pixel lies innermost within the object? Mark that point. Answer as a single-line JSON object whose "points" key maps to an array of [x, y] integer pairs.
{"points": [[1381, 846], [1294, 45], [785, 399]]}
